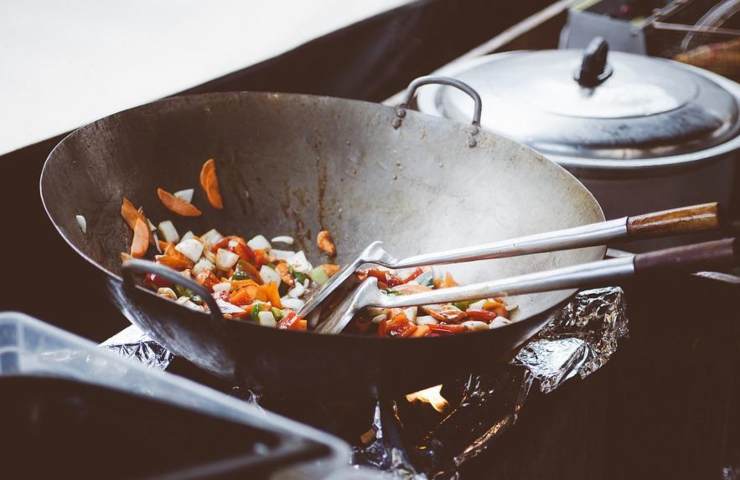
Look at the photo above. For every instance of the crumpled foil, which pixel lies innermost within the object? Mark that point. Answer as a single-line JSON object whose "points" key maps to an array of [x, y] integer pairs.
{"points": [[578, 340], [134, 343], [412, 441]]}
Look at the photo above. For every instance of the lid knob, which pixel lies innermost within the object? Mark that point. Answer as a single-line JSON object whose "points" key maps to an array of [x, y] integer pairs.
{"points": [[594, 69]]}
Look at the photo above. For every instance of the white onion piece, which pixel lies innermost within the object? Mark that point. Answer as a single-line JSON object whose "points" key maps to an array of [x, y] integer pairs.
{"points": [[227, 307], [225, 259], [269, 275], [292, 303], [211, 237], [266, 319], [410, 313], [477, 305], [168, 231], [82, 222], [475, 325], [186, 195], [222, 287], [152, 228], [191, 248], [156, 243], [203, 265], [300, 263], [259, 242], [379, 318], [167, 293], [297, 291], [498, 322], [282, 254], [285, 239], [426, 320], [187, 236]]}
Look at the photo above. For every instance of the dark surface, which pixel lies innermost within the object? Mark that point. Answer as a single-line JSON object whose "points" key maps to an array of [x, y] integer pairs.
{"points": [[370, 60], [86, 431]]}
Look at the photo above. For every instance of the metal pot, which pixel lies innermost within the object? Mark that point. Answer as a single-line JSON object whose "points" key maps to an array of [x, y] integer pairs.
{"points": [[641, 133]]}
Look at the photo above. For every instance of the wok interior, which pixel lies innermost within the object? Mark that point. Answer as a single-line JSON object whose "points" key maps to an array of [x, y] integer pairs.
{"points": [[293, 165]]}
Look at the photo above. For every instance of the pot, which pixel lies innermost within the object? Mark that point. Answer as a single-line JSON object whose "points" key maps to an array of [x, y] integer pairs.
{"points": [[641, 133]]}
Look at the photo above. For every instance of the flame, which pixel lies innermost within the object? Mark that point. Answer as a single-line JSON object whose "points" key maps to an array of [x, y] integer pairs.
{"points": [[432, 396]]}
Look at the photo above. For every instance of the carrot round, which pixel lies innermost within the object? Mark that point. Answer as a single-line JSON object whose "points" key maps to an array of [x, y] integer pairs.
{"points": [[140, 243], [209, 182], [177, 205]]}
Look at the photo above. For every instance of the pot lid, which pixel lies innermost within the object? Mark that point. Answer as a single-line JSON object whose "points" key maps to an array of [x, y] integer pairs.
{"points": [[593, 105]]}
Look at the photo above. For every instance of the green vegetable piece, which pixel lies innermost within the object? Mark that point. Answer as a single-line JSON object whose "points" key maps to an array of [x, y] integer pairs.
{"points": [[462, 305], [253, 315], [318, 275], [277, 313], [183, 292]]}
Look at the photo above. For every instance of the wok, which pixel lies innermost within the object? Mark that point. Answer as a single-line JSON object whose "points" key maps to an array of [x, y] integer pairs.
{"points": [[296, 164]]}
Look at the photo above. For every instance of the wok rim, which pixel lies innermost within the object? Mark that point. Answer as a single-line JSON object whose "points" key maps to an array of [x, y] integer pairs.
{"points": [[312, 334]]}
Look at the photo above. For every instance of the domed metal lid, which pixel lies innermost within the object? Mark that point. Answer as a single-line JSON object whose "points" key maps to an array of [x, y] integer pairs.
{"points": [[590, 105]]}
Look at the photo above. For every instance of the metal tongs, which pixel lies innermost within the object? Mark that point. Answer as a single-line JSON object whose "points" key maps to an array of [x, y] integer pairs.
{"points": [[695, 218]]}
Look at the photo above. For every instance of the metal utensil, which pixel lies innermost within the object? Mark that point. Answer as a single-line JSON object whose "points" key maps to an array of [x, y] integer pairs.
{"points": [[668, 222], [589, 274]]}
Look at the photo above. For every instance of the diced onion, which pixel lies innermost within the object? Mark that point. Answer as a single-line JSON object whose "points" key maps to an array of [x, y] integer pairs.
{"points": [[187, 236], [281, 254], [156, 243], [168, 231], [227, 307], [191, 248], [222, 287], [269, 275], [292, 303], [82, 222], [426, 320], [285, 239], [300, 263], [259, 242], [475, 325], [266, 319], [203, 265], [410, 313], [379, 318], [296, 291], [225, 259], [477, 305], [152, 228], [186, 195], [498, 322], [167, 293], [211, 237]]}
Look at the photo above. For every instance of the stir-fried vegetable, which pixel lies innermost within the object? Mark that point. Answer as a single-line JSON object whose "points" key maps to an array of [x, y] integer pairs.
{"points": [[252, 281]]}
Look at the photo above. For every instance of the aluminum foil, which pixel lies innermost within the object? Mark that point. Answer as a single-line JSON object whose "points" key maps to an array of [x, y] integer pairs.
{"points": [[134, 343], [411, 440]]}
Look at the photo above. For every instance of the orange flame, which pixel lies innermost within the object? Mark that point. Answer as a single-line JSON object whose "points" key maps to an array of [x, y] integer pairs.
{"points": [[432, 396]]}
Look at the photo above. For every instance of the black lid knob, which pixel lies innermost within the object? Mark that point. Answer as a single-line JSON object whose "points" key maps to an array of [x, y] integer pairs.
{"points": [[594, 67]]}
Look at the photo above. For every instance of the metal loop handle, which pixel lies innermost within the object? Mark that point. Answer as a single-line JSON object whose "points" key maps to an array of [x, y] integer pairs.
{"points": [[145, 266], [450, 82]]}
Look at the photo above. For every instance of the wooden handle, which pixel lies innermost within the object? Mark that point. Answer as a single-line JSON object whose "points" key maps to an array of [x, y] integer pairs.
{"points": [[696, 218], [691, 257]]}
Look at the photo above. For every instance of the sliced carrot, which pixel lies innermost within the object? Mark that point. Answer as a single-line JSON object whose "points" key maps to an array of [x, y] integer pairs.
{"points": [[174, 262], [140, 243], [421, 331], [270, 291], [177, 205], [209, 182], [241, 297], [239, 284], [129, 212]]}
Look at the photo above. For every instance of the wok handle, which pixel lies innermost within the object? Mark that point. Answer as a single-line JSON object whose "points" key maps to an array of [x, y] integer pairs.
{"points": [[130, 267], [598, 273], [696, 218], [450, 82]]}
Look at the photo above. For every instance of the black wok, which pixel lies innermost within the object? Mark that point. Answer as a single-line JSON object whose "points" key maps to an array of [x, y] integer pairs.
{"points": [[296, 164]]}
